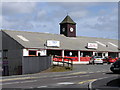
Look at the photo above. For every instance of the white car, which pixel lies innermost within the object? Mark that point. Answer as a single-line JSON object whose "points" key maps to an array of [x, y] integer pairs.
{"points": [[96, 60]]}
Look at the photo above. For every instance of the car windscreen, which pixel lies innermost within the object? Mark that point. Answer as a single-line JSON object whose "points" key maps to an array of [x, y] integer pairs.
{"points": [[98, 57]]}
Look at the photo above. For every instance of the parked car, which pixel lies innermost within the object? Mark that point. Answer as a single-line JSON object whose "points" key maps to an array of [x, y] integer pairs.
{"points": [[109, 60], [96, 60], [115, 67]]}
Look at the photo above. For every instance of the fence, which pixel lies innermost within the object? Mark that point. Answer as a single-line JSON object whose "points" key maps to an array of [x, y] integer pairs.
{"points": [[33, 64], [63, 61]]}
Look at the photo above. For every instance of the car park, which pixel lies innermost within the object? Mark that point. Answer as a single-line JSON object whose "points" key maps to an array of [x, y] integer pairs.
{"points": [[96, 60], [115, 67]]}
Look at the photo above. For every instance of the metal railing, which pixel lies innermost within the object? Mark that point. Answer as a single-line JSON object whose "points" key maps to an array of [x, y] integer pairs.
{"points": [[63, 61]]}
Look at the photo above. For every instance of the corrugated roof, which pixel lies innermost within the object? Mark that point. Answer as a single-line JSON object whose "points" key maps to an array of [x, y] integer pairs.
{"points": [[37, 40], [68, 19]]}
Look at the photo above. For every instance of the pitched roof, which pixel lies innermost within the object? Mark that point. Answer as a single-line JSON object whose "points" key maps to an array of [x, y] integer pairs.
{"points": [[68, 19], [37, 40]]}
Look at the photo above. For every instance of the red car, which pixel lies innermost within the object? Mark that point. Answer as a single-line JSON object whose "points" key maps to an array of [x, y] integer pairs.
{"points": [[109, 60]]}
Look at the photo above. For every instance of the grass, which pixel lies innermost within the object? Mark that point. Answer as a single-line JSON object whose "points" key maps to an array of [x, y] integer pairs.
{"points": [[58, 69]]}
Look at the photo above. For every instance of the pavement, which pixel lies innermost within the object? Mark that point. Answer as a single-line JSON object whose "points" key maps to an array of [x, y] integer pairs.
{"points": [[111, 83], [114, 83]]}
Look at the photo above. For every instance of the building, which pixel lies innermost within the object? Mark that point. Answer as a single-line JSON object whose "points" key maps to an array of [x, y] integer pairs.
{"points": [[16, 44]]}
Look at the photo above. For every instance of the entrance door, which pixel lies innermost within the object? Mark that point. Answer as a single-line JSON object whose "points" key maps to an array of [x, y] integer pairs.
{"points": [[100, 54], [5, 71]]}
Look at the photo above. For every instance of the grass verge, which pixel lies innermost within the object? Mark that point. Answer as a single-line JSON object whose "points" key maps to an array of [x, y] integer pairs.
{"points": [[58, 69]]}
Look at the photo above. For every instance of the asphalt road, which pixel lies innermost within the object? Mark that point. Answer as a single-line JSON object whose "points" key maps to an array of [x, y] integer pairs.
{"points": [[80, 77]]}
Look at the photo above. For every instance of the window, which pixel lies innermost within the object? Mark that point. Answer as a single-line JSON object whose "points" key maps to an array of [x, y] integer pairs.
{"points": [[32, 53], [5, 54]]}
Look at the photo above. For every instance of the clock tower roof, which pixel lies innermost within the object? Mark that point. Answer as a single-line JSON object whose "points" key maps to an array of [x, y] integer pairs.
{"points": [[68, 19]]}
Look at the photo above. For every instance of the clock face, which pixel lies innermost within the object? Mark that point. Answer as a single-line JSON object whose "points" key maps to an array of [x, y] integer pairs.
{"points": [[63, 29], [71, 29]]}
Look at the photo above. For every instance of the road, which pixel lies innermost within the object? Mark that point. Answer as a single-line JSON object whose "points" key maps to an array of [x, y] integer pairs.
{"points": [[80, 77]]}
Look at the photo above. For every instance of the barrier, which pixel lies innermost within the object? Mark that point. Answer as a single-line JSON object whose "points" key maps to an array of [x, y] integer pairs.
{"points": [[74, 59], [64, 61]]}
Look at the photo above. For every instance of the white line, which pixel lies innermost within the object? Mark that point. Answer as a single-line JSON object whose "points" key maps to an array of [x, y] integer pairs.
{"points": [[99, 71], [65, 77], [19, 82], [91, 72], [10, 83], [85, 76], [28, 81], [42, 86], [65, 83]]}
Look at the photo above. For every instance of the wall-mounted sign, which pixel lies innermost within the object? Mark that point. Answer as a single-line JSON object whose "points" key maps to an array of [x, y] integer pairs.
{"points": [[92, 45], [53, 43]]}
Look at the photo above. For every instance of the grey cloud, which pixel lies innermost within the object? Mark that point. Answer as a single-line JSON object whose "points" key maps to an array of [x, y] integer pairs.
{"points": [[10, 8]]}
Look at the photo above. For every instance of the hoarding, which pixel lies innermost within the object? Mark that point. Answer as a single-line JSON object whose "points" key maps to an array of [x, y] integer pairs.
{"points": [[53, 43], [92, 45]]}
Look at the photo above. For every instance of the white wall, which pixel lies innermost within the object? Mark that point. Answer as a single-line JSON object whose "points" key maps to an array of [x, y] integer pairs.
{"points": [[42, 53], [25, 52]]}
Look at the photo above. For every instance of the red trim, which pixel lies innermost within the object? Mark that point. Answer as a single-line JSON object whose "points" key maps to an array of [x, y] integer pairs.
{"points": [[55, 49], [70, 50], [85, 58]]}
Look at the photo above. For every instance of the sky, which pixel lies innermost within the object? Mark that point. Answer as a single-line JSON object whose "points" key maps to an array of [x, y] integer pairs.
{"points": [[93, 19]]}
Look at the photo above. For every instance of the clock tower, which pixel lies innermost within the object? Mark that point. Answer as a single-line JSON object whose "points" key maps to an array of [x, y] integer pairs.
{"points": [[68, 27]]}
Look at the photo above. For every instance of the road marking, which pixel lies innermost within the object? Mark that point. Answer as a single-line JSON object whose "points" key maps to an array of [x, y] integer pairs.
{"points": [[77, 73], [65, 83], [91, 72], [10, 83], [19, 82], [11, 79], [99, 71], [28, 81], [42, 86], [65, 77], [22, 78], [82, 82], [85, 76]]}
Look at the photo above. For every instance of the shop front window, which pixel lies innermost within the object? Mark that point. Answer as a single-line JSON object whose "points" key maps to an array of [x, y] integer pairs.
{"points": [[32, 53]]}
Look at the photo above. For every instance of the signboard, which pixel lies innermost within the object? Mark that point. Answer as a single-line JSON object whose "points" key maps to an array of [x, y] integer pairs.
{"points": [[92, 45], [53, 43]]}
